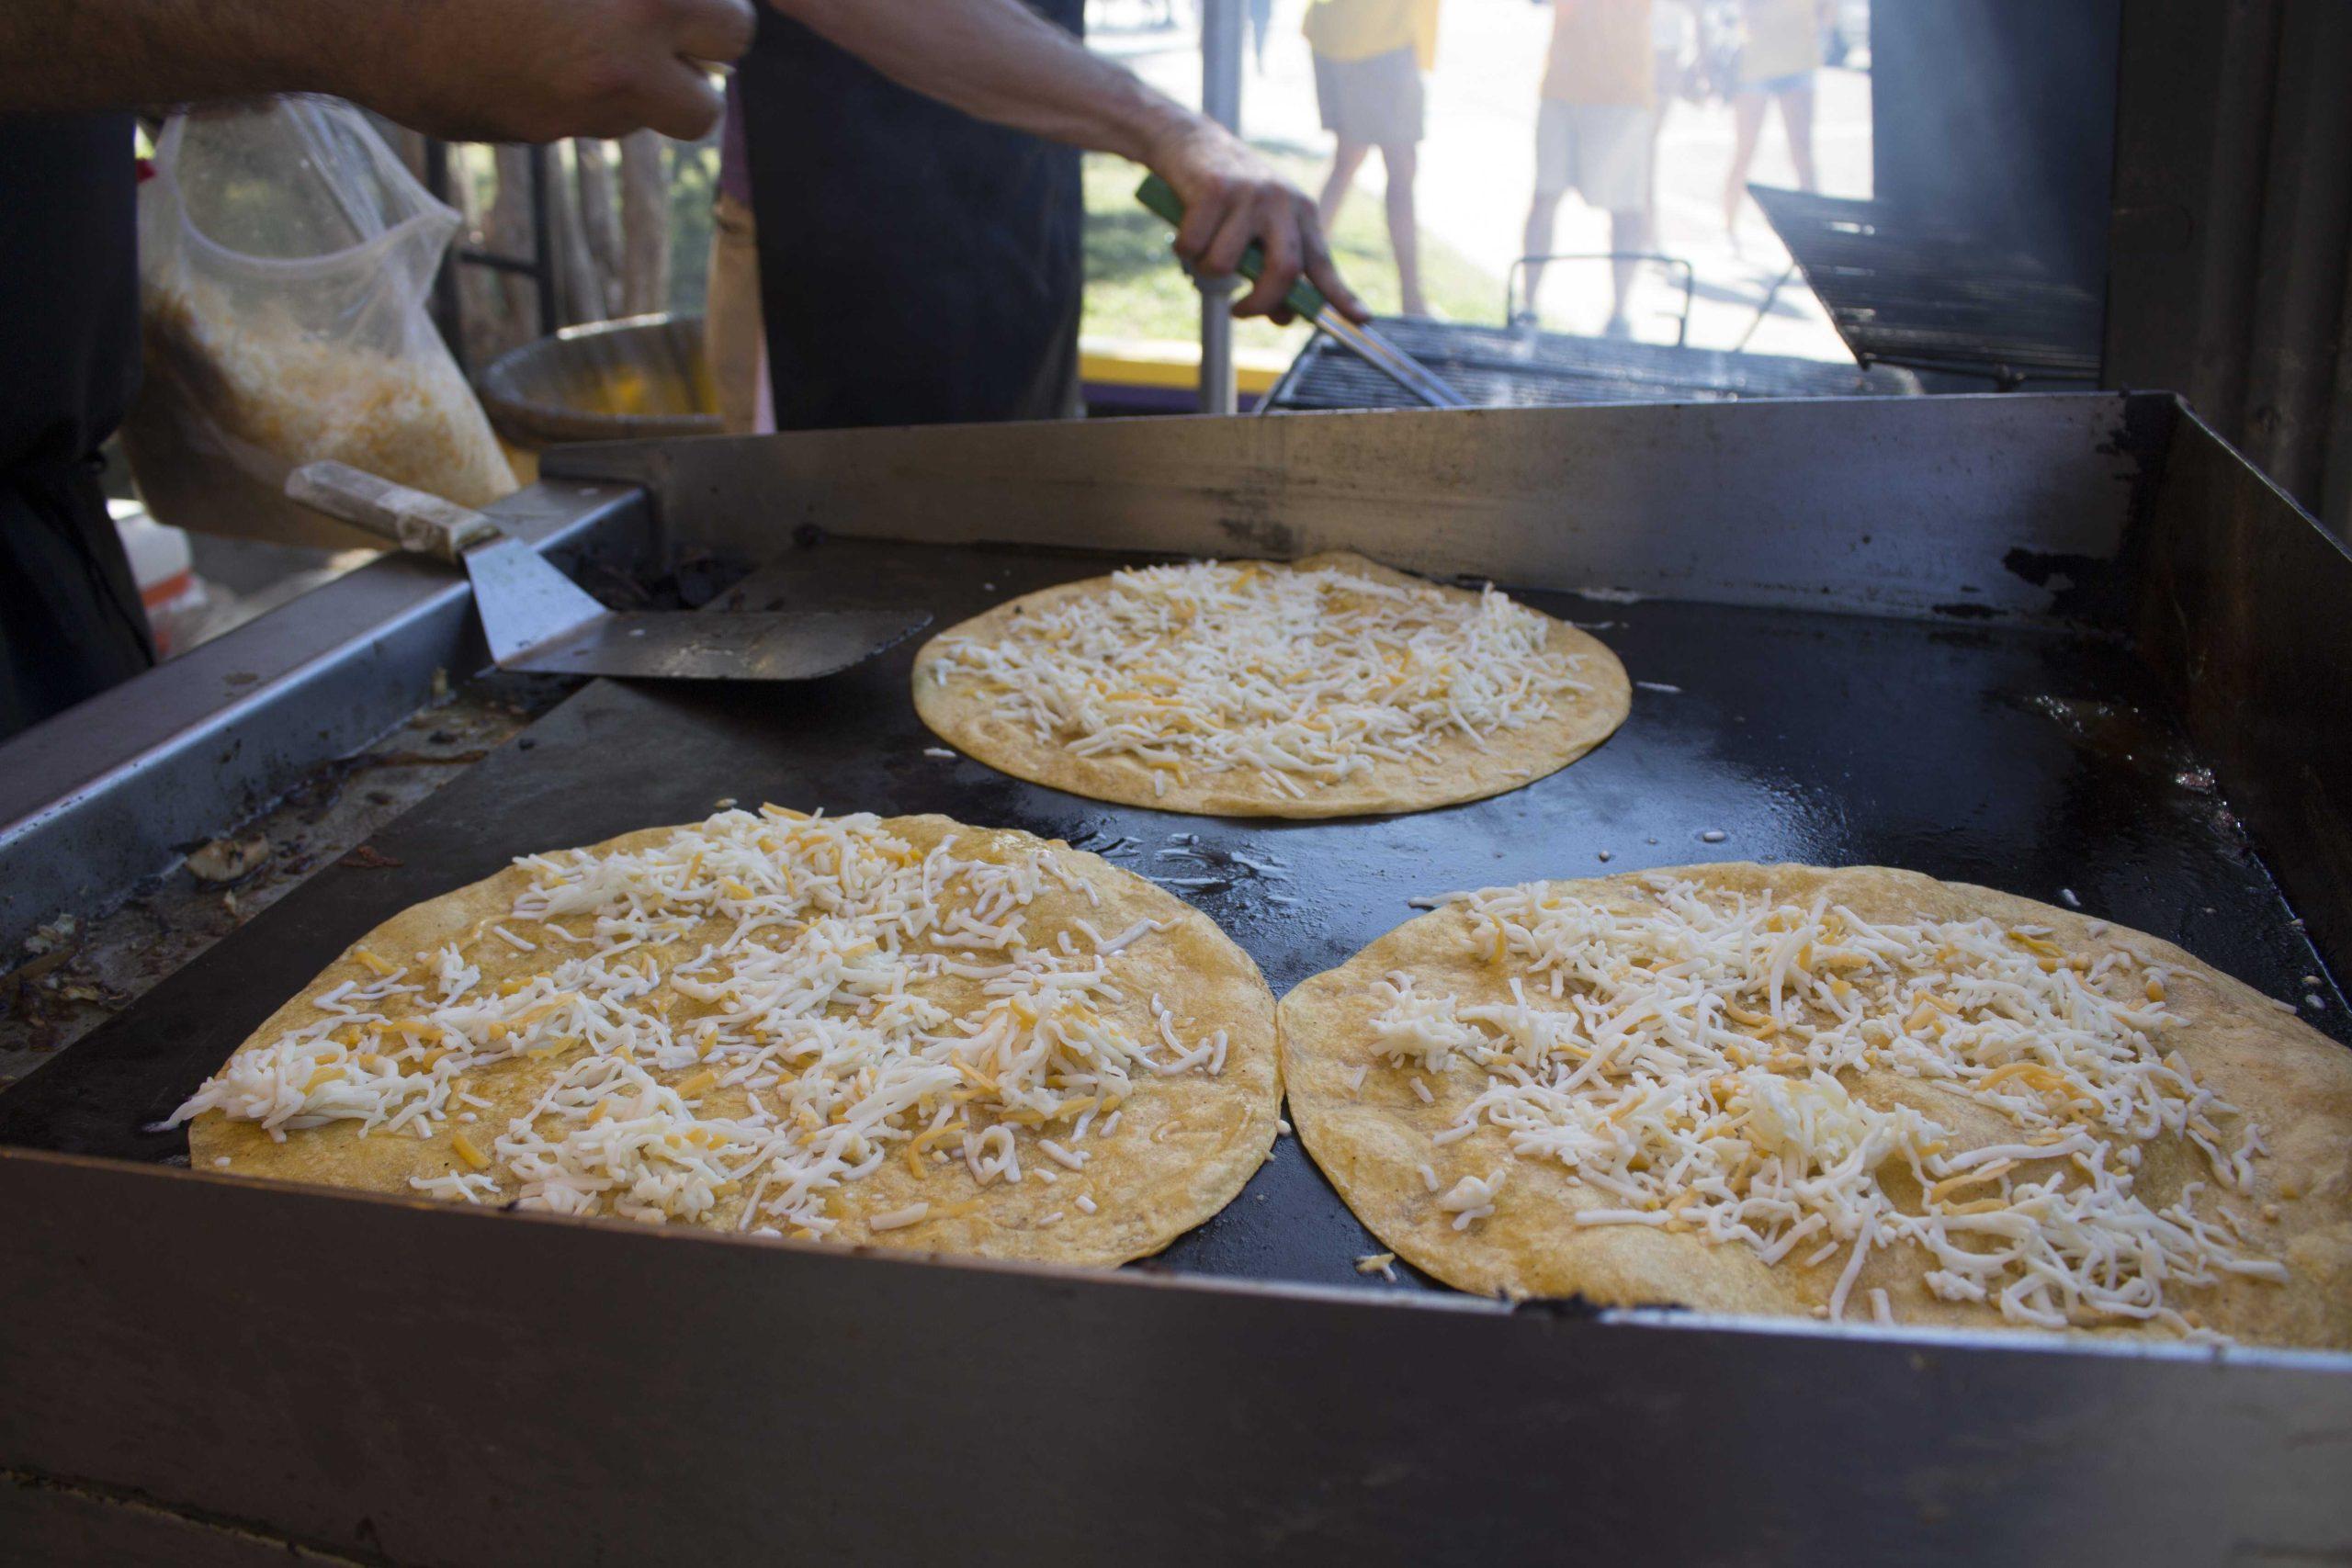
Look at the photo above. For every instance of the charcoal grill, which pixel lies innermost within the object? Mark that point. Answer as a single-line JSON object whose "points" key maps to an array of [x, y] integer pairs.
{"points": [[1905, 288], [1520, 368], [2069, 644]]}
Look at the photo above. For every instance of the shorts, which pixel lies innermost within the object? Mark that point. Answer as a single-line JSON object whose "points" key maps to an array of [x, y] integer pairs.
{"points": [[1374, 102], [1602, 150]]}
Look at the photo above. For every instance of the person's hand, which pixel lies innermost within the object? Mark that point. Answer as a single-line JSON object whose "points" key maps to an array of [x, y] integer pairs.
{"points": [[1232, 197], [543, 70]]}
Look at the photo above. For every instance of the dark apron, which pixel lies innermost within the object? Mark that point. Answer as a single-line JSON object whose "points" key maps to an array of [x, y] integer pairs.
{"points": [[916, 265], [70, 619]]}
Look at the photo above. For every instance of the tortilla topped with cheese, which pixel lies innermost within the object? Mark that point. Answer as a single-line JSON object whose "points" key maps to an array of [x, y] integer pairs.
{"points": [[898, 1033], [1327, 687], [1859, 1094]]}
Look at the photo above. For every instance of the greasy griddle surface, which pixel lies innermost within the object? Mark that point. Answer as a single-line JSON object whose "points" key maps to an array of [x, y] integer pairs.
{"points": [[2030, 760]]}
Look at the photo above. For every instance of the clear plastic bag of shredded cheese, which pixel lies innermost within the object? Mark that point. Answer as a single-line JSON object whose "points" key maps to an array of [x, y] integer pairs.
{"points": [[284, 257]]}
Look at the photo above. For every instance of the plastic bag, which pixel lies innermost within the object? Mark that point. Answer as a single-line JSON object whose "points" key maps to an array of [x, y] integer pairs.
{"points": [[285, 256]]}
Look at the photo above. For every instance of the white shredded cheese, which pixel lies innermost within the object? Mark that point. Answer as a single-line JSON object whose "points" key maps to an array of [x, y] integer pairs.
{"points": [[739, 1008], [1303, 678], [1684, 1052], [1472, 1198], [270, 381]]}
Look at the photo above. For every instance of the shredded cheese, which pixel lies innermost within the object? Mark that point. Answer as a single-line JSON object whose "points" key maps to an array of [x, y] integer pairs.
{"points": [[741, 1011], [1304, 678], [1686, 1054], [267, 378]]}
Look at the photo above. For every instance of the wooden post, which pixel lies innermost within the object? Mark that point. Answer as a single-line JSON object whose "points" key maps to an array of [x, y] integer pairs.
{"points": [[600, 229], [575, 271], [645, 224], [507, 231]]}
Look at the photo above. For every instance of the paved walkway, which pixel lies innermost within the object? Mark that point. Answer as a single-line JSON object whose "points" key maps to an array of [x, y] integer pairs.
{"points": [[1479, 164]]}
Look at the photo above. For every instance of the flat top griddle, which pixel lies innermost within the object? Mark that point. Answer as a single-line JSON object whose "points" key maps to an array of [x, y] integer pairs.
{"points": [[2031, 760]]}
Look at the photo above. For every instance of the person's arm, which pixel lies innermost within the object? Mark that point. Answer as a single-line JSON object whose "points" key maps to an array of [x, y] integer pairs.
{"points": [[998, 61], [465, 70]]}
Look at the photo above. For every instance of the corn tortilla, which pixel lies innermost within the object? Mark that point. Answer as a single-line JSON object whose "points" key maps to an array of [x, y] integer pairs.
{"points": [[2283, 1074], [1185, 1145], [1459, 768]]}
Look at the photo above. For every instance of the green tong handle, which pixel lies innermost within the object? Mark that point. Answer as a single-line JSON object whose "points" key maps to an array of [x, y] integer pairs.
{"points": [[1160, 198]]}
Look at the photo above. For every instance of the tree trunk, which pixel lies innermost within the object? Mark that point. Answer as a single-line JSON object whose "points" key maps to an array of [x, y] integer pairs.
{"points": [[645, 225], [578, 290], [480, 307], [481, 294], [600, 225], [509, 316]]}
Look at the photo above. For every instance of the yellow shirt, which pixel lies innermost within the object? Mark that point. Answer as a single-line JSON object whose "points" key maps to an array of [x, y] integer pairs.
{"points": [[1347, 31], [1601, 53]]}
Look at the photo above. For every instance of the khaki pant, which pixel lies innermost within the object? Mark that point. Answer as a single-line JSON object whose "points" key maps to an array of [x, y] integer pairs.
{"points": [[734, 341]]}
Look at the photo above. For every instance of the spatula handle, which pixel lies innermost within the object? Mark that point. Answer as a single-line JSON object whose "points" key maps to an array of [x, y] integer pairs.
{"points": [[410, 518], [1160, 197]]}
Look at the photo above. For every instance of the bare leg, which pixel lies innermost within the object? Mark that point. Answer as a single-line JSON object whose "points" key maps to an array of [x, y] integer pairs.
{"points": [[1748, 122], [1796, 114], [1345, 160], [1542, 216], [1657, 129], [1404, 232], [1627, 232]]}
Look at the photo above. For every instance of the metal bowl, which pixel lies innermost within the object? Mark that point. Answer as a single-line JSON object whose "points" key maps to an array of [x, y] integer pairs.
{"points": [[604, 381]]}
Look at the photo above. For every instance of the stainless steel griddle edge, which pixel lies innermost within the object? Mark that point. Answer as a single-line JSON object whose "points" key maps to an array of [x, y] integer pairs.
{"points": [[112, 792], [343, 1373]]}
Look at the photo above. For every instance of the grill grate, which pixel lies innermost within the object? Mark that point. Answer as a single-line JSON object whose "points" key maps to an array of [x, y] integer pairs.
{"points": [[1498, 367]]}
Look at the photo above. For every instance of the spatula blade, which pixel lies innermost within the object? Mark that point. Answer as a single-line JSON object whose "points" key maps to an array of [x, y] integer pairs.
{"points": [[787, 645], [525, 600]]}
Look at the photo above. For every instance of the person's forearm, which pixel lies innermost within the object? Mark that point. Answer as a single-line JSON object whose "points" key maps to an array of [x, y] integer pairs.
{"points": [[68, 56], [998, 61], [461, 69]]}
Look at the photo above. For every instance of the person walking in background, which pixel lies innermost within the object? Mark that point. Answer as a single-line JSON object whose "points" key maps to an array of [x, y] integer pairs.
{"points": [[1780, 50], [1596, 132], [1261, 21], [1674, 72], [1369, 56]]}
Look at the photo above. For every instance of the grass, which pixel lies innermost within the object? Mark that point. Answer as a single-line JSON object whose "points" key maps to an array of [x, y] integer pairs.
{"points": [[1135, 289]]}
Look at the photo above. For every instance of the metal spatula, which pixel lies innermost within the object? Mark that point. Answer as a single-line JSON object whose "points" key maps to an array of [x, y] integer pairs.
{"points": [[538, 619], [1308, 301]]}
